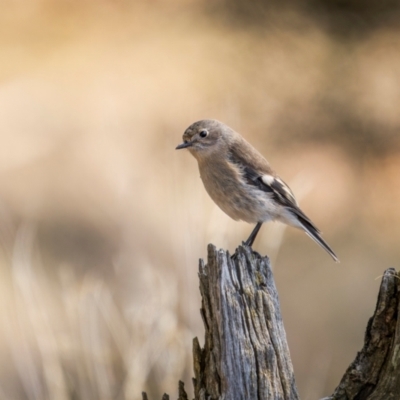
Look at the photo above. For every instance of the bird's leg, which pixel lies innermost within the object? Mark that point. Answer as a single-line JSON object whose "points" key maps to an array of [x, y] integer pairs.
{"points": [[252, 237]]}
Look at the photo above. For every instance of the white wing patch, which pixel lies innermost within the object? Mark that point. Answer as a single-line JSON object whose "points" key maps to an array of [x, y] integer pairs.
{"points": [[268, 179]]}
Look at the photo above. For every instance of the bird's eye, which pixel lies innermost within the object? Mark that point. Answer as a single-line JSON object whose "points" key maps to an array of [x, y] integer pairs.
{"points": [[203, 133]]}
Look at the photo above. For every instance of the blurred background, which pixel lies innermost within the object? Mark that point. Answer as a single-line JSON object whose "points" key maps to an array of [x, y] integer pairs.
{"points": [[102, 222]]}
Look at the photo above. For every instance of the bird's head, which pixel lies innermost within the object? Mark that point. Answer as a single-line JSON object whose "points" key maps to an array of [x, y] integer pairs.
{"points": [[204, 137]]}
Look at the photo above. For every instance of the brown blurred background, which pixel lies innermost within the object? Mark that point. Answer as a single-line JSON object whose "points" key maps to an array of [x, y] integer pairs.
{"points": [[102, 222]]}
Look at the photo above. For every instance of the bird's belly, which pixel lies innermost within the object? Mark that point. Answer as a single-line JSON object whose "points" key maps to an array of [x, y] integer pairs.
{"points": [[242, 202]]}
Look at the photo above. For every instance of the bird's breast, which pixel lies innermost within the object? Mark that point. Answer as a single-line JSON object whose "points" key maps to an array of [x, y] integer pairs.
{"points": [[227, 187]]}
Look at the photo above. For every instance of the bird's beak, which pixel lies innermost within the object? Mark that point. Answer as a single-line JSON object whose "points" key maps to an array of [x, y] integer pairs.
{"points": [[183, 145]]}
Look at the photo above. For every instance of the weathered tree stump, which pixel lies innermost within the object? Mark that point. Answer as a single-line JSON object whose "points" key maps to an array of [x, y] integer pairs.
{"points": [[246, 356], [375, 372]]}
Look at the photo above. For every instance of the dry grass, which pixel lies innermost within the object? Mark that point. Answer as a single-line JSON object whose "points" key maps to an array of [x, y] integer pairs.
{"points": [[102, 222]]}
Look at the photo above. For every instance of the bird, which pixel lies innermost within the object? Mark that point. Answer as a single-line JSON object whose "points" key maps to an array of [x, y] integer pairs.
{"points": [[241, 181]]}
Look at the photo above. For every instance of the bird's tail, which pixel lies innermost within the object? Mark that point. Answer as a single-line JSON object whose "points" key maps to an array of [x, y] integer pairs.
{"points": [[315, 235]]}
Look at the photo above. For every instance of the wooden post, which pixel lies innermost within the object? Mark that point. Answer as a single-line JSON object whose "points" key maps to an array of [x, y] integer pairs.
{"points": [[245, 354]]}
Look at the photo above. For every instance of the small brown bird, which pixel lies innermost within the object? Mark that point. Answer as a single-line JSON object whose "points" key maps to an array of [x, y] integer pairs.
{"points": [[241, 182]]}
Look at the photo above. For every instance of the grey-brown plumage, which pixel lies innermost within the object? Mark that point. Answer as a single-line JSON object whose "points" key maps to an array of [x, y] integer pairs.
{"points": [[241, 182]]}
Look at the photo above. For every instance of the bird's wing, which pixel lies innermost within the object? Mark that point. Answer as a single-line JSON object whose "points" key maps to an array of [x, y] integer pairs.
{"points": [[283, 195], [279, 188], [265, 179]]}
